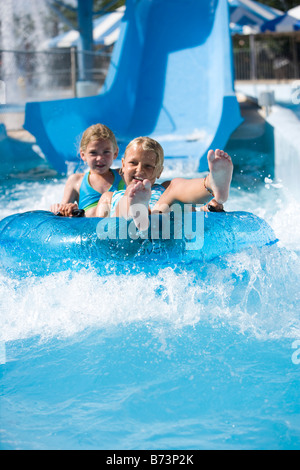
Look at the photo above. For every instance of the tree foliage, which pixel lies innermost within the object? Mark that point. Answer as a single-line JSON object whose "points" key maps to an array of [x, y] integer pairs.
{"points": [[108, 4], [100, 6], [283, 5]]}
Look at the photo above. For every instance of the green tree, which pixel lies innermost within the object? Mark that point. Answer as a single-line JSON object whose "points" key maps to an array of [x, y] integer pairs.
{"points": [[108, 4], [283, 5], [100, 6]]}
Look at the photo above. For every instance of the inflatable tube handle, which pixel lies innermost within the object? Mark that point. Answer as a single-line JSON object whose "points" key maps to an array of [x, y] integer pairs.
{"points": [[75, 213]]}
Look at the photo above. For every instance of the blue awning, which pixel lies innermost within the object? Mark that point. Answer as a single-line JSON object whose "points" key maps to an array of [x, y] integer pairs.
{"points": [[247, 16], [283, 24]]}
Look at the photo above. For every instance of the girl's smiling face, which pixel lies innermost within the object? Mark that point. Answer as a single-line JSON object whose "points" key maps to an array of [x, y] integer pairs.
{"points": [[140, 164], [99, 155]]}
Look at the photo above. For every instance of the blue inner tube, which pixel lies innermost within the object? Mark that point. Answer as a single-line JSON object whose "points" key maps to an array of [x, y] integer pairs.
{"points": [[40, 242]]}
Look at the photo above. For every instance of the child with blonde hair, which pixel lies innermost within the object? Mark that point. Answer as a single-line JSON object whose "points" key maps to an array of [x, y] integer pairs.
{"points": [[142, 165], [98, 148]]}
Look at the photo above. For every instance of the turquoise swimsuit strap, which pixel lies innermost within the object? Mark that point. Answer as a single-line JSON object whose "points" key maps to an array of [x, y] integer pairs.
{"points": [[89, 197]]}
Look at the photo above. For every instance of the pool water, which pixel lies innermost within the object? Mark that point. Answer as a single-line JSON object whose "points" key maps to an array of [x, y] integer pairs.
{"points": [[185, 356]]}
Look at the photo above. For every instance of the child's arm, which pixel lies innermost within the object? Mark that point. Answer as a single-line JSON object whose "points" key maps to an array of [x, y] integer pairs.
{"points": [[70, 197]]}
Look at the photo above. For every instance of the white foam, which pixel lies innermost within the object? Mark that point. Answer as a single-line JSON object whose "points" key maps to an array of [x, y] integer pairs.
{"points": [[251, 292], [2, 353], [29, 196]]}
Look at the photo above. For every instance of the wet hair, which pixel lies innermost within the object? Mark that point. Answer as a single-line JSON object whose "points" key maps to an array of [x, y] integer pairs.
{"points": [[97, 132], [151, 145]]}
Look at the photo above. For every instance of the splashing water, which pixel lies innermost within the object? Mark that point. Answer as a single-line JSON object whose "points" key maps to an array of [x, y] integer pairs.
{"points": [[22, 29], [187, 356]]}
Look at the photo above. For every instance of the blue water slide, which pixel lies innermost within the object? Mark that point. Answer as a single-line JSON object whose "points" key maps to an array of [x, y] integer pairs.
{"points": [[170, 77], [16, 155]]}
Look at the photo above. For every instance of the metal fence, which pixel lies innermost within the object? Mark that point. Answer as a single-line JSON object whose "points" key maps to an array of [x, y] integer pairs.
{"points": [[267, 57], [35, 75], [31, 75]]}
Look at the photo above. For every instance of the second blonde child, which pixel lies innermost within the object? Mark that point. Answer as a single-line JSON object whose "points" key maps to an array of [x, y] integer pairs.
{"points": [[99, 149]]}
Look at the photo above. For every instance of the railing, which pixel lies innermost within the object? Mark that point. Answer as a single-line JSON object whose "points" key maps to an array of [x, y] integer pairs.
{"points": [[35, 75], [267, 57]]}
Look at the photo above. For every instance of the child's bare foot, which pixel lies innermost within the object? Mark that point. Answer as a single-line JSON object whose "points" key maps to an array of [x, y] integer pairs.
{"points": [[219, 178], [139, 195]]}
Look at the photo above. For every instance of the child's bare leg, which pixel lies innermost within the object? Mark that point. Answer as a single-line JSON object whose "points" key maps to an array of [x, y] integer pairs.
{"points": [[138, 197]]}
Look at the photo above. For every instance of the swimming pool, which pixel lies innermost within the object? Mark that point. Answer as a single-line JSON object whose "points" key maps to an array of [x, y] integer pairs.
{"points": [[183, 356]]}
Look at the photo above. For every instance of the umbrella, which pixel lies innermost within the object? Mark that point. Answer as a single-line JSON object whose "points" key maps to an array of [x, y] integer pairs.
{"points": [[295, 12]]}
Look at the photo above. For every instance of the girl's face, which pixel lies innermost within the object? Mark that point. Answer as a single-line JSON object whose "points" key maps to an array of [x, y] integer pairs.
{"points": [[139, 165], [99, 155]]}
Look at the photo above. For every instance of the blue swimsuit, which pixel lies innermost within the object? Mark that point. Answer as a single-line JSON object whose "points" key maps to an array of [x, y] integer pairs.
{"points": [[156, 191], [89, 197]]}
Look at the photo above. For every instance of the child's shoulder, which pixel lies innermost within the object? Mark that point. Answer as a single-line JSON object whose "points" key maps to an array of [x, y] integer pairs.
{"points": [[76, 176], [75, 179]]}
